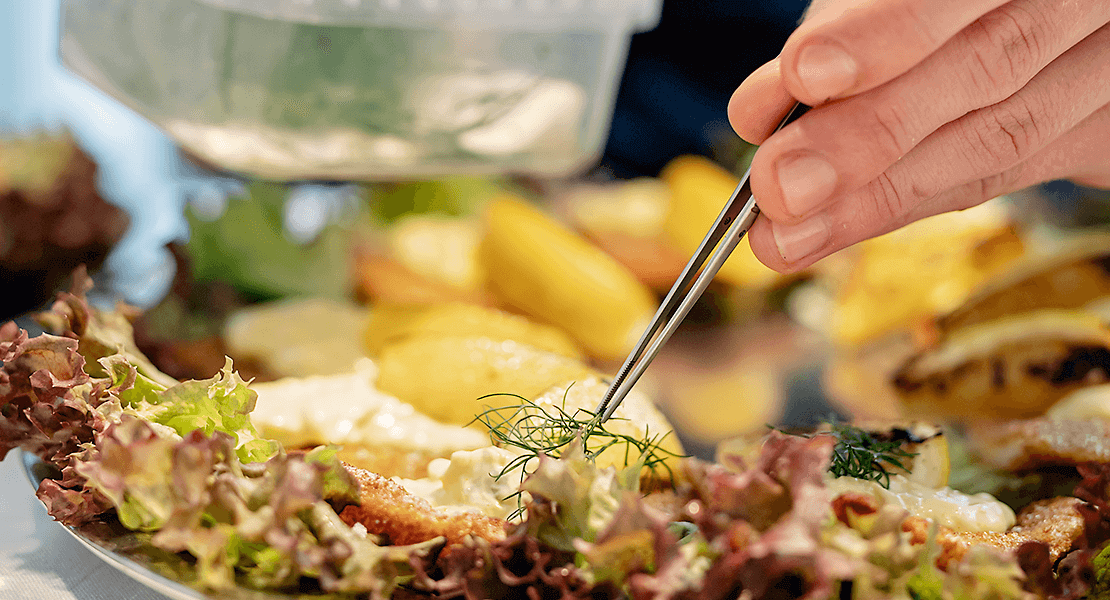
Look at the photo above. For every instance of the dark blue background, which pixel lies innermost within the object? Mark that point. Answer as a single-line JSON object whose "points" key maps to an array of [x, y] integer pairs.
{"points": [[680, 76]]}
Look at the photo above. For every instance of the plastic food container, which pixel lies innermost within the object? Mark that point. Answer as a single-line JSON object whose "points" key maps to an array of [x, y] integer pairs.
{"points": [[365, 89]]}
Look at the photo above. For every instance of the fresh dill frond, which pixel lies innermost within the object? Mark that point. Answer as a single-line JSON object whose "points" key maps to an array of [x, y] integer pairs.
{"points": [[537, 430], [859, 453]]}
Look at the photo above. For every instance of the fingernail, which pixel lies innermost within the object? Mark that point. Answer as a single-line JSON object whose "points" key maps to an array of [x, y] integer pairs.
{"points": [[796, 242], [806, 181], [826, 70]]}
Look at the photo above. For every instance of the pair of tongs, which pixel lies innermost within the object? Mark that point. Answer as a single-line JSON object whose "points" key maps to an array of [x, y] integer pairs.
{"points": [[732, 224]]}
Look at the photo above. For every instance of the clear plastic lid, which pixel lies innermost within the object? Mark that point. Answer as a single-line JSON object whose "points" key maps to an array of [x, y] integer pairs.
{"points": [[527, 15]]}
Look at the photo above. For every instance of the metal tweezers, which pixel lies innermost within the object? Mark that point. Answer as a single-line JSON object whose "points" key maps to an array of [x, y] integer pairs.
{"points": [[732, 224]]}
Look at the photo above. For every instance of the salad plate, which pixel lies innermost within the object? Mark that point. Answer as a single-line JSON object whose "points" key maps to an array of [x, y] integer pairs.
{"points": [[36, 471]]}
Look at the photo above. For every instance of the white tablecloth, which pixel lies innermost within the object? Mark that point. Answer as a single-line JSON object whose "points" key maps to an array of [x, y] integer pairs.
{"points": [[40, 561]]}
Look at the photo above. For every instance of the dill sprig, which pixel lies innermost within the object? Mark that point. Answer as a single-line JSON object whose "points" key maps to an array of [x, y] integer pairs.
{"points": [[539, 430], [860, 454]]}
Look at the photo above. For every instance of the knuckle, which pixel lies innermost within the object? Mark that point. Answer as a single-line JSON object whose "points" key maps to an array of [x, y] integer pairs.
{"points": [[1022, 33], [1005, 46], [886, 200], [1006, 133], [915, 16], [892, 129]]}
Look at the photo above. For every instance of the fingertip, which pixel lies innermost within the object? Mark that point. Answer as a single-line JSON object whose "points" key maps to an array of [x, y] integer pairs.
{"points": [[819, 70], [845, 47], [762, 241], [767, 249], [817, 20], [757, 105], [764, 180]]}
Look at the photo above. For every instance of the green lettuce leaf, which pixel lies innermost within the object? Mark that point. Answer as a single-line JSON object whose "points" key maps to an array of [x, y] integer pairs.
{"points": [[247, 248], [1101, 566], [266, 525], [220, 404], [132, 388], [455, 195], [181, 464], [586, 497], [101, 334], [223, 403]]}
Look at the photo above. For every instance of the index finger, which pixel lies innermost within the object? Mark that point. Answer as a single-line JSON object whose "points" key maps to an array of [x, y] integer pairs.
{"points": [[849, 46]]}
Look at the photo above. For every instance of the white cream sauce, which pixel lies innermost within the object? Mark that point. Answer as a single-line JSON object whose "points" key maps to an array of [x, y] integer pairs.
{"points": [[470, 481], [948, 507], [348, 409]]}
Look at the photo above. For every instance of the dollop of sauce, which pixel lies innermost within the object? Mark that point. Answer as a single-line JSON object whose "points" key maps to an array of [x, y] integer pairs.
{"points": [[948, 507], [470, 481], [348, 409]]}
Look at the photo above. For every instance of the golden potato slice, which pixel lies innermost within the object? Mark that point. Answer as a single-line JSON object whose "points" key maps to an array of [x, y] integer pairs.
{"points": [[552, 274], [926, 269], [699, 190], [636, 208], [655, 262], [1086, 404], [392, 323], [1015, 367], [929, 464], [561, 409], [713, 405], [858, 378], [298, 337], [448, 378], [438, 247], [1065, 280], [625, 219]]}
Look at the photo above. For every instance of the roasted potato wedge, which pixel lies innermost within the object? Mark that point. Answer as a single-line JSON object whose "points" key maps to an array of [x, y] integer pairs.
{"points": [[544, 270], [392, 323], [450, 378]]}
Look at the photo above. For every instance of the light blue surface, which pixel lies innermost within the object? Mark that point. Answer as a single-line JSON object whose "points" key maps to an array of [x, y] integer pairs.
{"points": [[140, 169], [39, 559]]}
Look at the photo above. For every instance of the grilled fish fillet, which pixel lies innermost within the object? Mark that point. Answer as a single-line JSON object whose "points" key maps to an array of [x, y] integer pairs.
{"points": [[1042, 442], [1055, 522], [386, 509]]}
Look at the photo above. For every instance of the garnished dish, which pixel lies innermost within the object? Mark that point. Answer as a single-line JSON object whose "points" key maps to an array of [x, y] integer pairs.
{"points": [[330, 486]]}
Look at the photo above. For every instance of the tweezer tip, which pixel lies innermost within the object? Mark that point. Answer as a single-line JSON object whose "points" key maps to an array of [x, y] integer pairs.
{"points": [[603, 409], [606, 408]]}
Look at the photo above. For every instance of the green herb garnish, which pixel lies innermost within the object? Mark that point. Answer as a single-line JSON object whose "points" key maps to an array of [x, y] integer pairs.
{"points": [[859, 453], [549, 431]]}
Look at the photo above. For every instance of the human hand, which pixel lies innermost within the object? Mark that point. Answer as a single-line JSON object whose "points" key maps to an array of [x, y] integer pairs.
{"points": [[921, 107]]}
